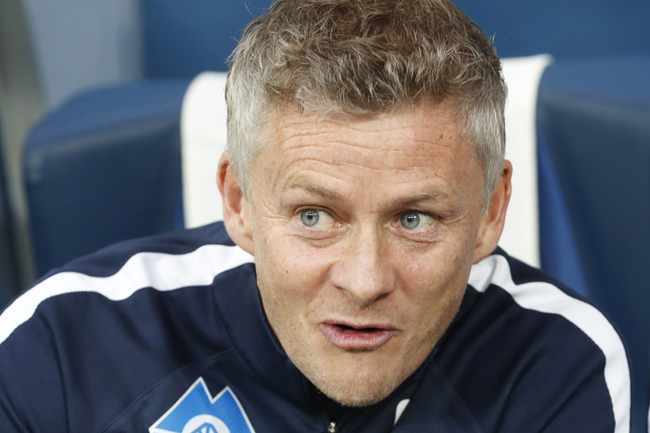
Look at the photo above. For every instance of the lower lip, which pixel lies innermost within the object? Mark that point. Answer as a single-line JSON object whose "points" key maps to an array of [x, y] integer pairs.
{"points": [[359, 339]]}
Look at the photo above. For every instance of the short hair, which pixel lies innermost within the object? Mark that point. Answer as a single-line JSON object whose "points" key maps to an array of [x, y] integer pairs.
{"points": [[360, 57]]}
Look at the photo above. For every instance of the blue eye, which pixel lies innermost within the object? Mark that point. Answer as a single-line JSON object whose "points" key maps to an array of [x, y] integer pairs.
{"points": [[310, 217], [410, 221]]}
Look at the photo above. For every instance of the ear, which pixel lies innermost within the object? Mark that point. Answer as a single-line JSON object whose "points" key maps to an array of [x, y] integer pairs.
{"points": [[494, 217], [236, 212]]}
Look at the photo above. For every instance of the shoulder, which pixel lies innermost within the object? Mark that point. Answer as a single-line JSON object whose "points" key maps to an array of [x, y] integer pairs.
{"points": [[111, 259], [538, 297], [120, 319], [161, 263], [539, 351]]}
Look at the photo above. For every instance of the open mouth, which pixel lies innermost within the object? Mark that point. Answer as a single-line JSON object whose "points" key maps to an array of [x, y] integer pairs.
{"points": [[350, 328], [345, 336]]}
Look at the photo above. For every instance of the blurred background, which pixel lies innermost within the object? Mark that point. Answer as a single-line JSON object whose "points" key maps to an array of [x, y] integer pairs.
{"points": [[91, 96]]}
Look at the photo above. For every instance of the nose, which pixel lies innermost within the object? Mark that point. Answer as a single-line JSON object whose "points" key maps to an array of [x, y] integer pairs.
{"points": [[363, 269]]}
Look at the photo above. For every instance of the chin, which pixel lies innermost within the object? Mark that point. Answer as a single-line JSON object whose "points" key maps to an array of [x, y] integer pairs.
{"points": [[357, 389], [360, 400]]}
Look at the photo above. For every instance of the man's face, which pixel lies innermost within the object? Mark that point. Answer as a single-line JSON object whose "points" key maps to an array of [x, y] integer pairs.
{"points": [[364, 232]]}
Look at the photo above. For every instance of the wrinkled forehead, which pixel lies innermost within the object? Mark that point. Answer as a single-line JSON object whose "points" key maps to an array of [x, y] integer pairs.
{"points": [[413, 128], [280, 115], [411, 144]]}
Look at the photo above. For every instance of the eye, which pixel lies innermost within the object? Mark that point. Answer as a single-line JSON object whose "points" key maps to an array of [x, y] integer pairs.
{"points": [[315, 218], [309, 217], [413, 220]]}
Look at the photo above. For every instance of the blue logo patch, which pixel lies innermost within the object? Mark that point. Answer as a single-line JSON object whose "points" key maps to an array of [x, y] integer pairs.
{"points": [[197, 412]]}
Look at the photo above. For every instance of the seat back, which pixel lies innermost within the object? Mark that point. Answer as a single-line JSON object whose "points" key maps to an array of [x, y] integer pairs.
{"points": [[105, 165], [594, 116], [564, 28], [102, 168], [183, 39]]}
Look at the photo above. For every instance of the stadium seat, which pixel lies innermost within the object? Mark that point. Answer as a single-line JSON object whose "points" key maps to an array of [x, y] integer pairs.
{"points": [[594, 118], [96, 173], [104, 165]]}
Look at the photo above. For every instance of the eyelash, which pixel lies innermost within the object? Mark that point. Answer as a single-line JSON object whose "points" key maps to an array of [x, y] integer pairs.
{"points": [[319, 211], [424, 221], [423, 218]]}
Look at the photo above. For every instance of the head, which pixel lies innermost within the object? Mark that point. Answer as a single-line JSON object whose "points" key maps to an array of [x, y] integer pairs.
{"points": [[365, 57], [365, 173]]}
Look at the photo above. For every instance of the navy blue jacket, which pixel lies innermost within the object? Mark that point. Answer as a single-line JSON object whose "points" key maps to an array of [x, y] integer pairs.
{"points": [[167, 334]]}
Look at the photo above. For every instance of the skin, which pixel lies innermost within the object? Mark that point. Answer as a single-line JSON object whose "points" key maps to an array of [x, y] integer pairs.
{"points": [[357, 299]]}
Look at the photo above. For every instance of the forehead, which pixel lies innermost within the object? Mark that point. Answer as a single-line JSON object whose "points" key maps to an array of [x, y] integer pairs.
{"points": [[419, 131], [423, 147], [400, 122]]}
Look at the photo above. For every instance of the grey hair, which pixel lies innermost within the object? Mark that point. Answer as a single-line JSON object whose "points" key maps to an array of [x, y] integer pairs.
{"points": [[360, 57]]}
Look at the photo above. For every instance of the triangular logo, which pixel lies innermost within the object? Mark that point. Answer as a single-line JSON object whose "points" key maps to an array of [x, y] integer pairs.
{"points": [[197, 412]]}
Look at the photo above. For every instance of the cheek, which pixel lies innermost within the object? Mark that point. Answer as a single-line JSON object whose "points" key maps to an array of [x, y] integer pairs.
{"points": [[433, 268], [289, 270], [433, 307], [437, 282]]}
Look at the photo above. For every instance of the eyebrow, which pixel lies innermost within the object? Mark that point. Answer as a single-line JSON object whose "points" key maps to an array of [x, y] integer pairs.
{"points": [[396, 203], [453, 205], [401, 202], [324, 193]]}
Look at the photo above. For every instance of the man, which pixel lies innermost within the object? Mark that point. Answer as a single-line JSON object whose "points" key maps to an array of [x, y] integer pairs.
{"points": [[359, 286]]}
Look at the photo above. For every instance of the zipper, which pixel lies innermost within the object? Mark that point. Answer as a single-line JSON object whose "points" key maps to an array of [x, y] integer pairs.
{"points": [[332, 428]]}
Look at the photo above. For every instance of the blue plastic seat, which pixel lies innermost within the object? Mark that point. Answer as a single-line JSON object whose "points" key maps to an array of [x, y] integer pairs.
{"points": [[594, 120], [105, 165], [98, 173]]}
